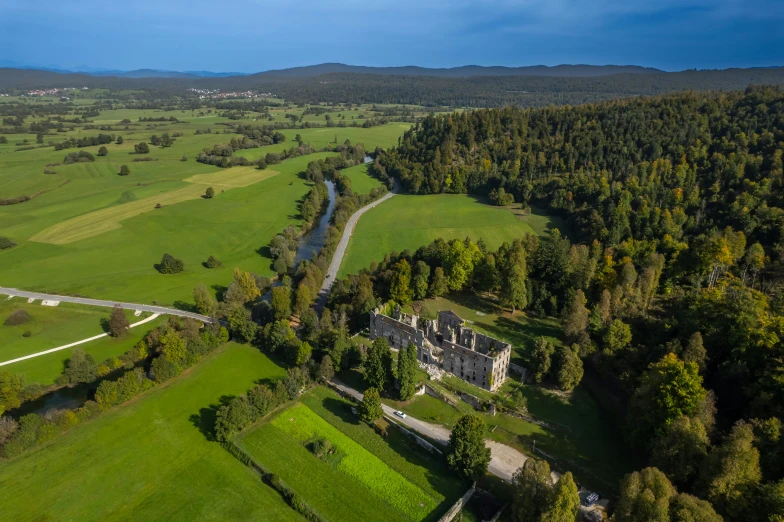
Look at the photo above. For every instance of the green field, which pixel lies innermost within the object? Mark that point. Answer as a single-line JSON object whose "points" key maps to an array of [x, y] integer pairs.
{"points": [[367, 478], [91, 232], [148, 460], [51, 327], [408, 222], [361, 181]]}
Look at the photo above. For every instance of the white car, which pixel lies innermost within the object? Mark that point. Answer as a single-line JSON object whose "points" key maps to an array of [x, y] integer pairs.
{"points": [[400, 414]]}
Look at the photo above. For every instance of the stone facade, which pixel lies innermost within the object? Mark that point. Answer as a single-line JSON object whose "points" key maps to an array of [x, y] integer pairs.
{"points": [[474, 357]]}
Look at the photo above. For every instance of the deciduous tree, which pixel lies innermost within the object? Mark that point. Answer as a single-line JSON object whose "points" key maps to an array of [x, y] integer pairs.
{"points": [[370, 407], [118, 323], [466, 453]]}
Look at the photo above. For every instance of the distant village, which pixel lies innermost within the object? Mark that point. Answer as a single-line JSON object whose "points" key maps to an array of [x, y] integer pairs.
{"points": [[218, 95]]}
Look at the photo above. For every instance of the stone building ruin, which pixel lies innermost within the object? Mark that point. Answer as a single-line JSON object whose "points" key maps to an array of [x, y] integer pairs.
{"points": [[446, 342]]}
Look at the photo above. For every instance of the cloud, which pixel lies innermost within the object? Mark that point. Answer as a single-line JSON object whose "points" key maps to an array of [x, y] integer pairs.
{"points": [[252, 35]]}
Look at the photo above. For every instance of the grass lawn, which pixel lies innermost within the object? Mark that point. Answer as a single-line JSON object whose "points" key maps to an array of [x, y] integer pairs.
{"points": [[148, 460], [361, 181], [366, 476], [408, 222], [51, 327]]}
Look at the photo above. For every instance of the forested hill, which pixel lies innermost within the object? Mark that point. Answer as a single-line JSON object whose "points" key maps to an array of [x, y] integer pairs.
{"points": [[644, 168], [474, 91], [674, 296]]}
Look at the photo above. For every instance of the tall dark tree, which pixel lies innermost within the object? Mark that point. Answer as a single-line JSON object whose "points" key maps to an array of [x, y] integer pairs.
{"points": [[118, 322], [467, 454]]}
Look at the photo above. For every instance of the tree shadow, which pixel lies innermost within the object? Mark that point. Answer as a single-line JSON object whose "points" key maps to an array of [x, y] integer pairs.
{"points": [[104, 324], [341, 409], [186, 307], [265, 252], [475, 302], [220, 291], [204, 421]]}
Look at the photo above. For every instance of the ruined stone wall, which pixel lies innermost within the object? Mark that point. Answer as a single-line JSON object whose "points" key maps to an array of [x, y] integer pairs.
{"points": [[471, 366], [398, 334]]}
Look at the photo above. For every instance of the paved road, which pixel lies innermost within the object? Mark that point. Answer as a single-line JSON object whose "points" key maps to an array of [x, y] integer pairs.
{"points": [[340, 252], [504, 460], [101, 302], [65, 346]]}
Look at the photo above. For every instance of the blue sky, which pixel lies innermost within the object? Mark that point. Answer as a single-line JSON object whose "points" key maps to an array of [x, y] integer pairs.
{"points": [[256, 35]]}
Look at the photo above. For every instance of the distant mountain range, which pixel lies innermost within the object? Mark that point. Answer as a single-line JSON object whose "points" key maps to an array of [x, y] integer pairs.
{"points": [[465, 71], [138, 73]]}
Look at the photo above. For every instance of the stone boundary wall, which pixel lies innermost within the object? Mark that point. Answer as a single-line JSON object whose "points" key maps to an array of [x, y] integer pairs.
{"points": [[462, 501]]}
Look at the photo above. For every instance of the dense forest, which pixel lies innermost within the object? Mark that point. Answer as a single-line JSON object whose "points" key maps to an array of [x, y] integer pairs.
{"points": [[671, 293], [430, 91]]}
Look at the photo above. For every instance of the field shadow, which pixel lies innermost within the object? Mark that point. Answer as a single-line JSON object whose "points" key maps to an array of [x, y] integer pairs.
{"points": [[220, 291], [104, 322], [186, 307], [475, 302], [265, 252], [204, 421], [341, 409]]}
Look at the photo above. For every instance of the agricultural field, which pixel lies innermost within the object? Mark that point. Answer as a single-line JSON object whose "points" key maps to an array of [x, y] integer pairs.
{"points": [[97, 471], [91, 232], [50, 327], [367, 477], [408, 222]]}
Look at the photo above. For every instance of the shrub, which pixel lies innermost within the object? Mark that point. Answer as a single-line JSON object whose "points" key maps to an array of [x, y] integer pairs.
{"points": [[103, 151], [78, 157], [162, 369], [210, 193], [213, 262], [170, 265], [321, 448], [141, 148], [124, 170], [233, 418], [17, 317], [6, 243], [27, 333]]}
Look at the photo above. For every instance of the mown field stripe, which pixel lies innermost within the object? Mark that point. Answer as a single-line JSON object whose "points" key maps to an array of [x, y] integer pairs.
{"points": [[107, 219]]}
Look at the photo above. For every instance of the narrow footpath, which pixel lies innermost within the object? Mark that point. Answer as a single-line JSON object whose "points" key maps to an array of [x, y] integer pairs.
{"points": [[63, 347]]}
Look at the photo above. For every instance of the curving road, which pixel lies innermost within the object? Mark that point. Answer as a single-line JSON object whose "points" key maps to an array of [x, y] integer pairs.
{"points": [[504, 460], [13, 292], [340, 252]]}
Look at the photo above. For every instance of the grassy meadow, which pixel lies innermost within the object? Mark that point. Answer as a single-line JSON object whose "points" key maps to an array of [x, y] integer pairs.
{"points": [[361, 181], [51, 327], [91, 232], [148, 459], [409, 222], [368, 477]]}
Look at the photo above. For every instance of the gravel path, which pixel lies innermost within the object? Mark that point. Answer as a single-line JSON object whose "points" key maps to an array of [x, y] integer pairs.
{"points": [[504, 460], [38, 354], [13, 292], [340, 252]]}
